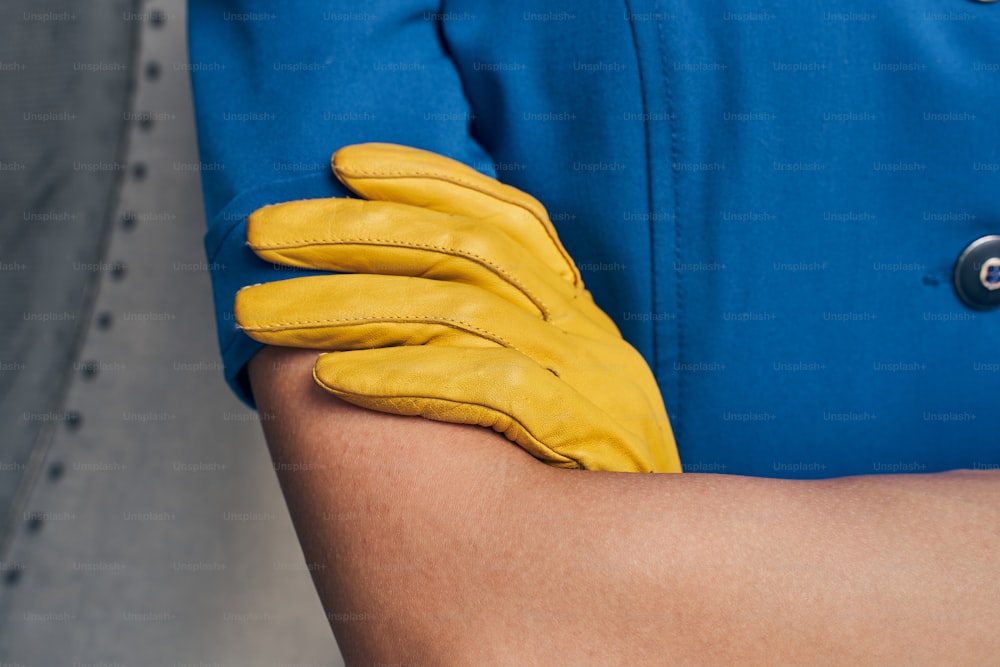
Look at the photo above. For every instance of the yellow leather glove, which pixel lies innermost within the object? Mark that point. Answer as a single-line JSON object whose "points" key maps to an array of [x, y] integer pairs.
{"points": [[458, 303]]}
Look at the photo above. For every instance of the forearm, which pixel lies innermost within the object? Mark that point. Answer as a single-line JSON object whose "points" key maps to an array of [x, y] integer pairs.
{"points": [[432, 541], [387, 510]]}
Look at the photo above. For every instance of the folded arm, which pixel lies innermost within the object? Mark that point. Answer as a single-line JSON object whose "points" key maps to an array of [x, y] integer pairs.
{"points": [[443, 544]]}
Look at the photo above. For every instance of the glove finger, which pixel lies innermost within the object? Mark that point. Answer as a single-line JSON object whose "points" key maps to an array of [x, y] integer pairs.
{"points": [[495, 388], [388, 238], [357, 311], [390, 172]]}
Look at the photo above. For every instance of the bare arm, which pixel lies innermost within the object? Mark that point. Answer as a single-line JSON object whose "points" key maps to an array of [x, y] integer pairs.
{"points": [[444, 544]]}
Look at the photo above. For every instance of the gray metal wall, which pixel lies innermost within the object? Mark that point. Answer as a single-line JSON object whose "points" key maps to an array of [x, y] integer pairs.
{"points": [[144, 524]]}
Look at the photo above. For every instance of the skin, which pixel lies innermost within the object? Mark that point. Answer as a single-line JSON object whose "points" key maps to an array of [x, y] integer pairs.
{"points": [[441, 544]]}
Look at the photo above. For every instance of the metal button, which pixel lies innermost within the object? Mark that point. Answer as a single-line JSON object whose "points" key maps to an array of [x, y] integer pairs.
{"points": [[977, 273]]}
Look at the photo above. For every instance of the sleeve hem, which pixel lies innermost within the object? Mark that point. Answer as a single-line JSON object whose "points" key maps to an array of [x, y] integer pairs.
{"points": [[233, 265]]}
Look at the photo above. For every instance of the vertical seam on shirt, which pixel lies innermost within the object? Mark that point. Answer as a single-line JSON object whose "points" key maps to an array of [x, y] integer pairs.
{"points": [[675, 180], [655, 352], [470, 126]]}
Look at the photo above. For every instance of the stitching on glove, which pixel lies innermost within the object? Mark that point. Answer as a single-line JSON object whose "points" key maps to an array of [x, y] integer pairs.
{"points": [[549, 230], [445, 321], [553, 455], [509, 278]]}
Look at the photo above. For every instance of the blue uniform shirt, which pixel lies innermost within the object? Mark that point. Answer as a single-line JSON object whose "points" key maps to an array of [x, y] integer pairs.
{"points": [[769, 197]]}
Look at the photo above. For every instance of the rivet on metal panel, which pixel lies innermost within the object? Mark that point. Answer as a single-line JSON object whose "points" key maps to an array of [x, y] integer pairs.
{"points": [[129, 218], [73, 420], [118, 271], [89, 369], [12, 576], [105, 320], [152, 71], [56, 470], [34, 522]]}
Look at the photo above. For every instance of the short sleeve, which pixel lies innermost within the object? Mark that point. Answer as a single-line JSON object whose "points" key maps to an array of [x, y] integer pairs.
{"points": [[278, 87]]}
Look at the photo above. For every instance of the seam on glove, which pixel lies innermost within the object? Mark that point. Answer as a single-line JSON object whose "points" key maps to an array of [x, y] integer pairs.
{"points": [[549, 229], [444, 321], [508, 278], [555, 456]]}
